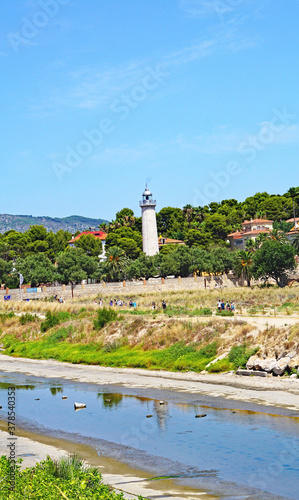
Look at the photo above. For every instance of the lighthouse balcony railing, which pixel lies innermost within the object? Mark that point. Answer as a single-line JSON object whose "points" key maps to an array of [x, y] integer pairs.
{"points": [[147, 202]]}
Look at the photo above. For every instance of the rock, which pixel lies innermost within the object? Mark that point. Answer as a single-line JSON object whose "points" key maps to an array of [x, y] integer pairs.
{"points": [[0, 407], [200, 415], [251, 362], [267, 364], [256, 373], [292, 354], [294, 363], [79, 406], [149, 416], [37, 399], [161, 402], [294, 375], [281, 365], [64, 397]]}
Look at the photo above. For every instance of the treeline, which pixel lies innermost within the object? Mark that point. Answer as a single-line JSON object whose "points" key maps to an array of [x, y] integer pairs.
{"points": [[45, 257], [203, 227]]}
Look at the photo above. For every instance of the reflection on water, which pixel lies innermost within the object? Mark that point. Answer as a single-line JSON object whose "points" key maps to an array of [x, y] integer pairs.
{"points": [[56, 390], [235, 446]]}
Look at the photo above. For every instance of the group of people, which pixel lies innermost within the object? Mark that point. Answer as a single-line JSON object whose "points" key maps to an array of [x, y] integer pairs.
{"points": [[222, 306]]}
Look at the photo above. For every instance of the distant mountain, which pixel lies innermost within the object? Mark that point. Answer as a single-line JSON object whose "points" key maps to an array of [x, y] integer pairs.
{"points": [[23, 222]]}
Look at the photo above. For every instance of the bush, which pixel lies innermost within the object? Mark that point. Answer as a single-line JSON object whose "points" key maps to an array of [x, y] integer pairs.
{"points": [[223, 365], [60, 335], [210, 350], [5, 316], [239, 355], [53, 480], [225, 313], [203, 311], [27, 318], [51, 320], [104, 316]]}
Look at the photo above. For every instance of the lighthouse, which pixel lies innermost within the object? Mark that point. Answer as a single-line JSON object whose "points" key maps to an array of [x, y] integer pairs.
{"points": [[149, 223]]}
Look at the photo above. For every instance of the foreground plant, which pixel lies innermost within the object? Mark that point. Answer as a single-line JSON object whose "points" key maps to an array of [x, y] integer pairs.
{"points": [[66, 478]]}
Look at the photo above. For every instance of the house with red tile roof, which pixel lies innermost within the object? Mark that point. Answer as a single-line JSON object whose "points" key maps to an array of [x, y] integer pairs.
{"points": [[97, 234], [169, 241], [250, 230]]}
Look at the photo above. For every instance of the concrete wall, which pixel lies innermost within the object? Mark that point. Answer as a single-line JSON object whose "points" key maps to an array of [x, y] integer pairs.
{"points": [[131, 287]]}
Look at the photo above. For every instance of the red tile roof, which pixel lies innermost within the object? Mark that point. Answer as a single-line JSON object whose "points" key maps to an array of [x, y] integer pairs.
{"points": [[292, 219], [255, 221], [97, 234]]}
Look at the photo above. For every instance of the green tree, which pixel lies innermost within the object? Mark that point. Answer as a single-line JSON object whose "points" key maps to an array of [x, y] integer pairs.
{"points": [[243, 265], [145, 266], [201, 238], [74, 265], [91, 245], [127, 239], [37, 269], [274, 260], [116, 264]]}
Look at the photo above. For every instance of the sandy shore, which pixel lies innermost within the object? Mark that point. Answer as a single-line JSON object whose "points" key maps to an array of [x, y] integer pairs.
{"points": [[269, 392], [34, 448]]}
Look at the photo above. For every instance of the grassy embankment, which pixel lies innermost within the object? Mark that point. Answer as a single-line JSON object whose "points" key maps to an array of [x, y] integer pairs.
{"points": [[184, 338], [66, 478]]}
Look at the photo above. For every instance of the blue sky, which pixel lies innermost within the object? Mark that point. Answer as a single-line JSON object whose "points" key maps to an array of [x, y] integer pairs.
{"points": [[198, 98]]}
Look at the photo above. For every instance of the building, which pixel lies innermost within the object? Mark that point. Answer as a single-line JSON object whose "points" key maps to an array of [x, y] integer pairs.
{"points": [[250, 230], [149, 223], [169, 241], [97, 234]]}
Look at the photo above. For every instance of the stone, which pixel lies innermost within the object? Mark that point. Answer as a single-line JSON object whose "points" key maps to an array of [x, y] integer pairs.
{"points": [[161, 402], [294, 363], [64, 397], [79, 406], [281, 365], [268, 364], [250, 363], [294, 375], [149, 416], [256, 373], [200, 415]]}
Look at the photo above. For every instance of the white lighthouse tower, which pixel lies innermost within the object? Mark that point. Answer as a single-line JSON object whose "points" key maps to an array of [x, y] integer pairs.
{"points": [[149, 224]]}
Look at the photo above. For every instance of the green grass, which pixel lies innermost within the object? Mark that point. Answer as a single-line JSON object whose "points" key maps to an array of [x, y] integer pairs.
{"points": [[178, 357], [54, 480], [53, 319], [27, 318]]}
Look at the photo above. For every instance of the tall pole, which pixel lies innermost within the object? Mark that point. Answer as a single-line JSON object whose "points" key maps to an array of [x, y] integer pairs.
{"points": [[21, 281]]}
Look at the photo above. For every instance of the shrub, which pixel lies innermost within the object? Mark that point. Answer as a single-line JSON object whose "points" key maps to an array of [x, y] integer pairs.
{"points": [[223, 365], [225, 313], [5, 316], [51, 320], [27, 318], [203, 311], [210, 350], [60, 335], [104, 316], [239, 355]]}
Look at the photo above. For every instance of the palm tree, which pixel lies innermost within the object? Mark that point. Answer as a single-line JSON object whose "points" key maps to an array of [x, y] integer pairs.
{"points": [[260, 214], [243, 265], [250, 245], [116, 263], [293, 192], [277, 235], [260, 240]]}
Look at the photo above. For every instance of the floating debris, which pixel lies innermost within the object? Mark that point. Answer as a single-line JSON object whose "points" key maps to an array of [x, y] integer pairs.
{"points": [[79, 406], [161, 402], [200, 415], [149, 416], [64, 397]]}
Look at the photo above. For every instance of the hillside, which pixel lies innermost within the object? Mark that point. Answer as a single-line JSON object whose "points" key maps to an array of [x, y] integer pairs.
{"points": [[23, 222]]}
